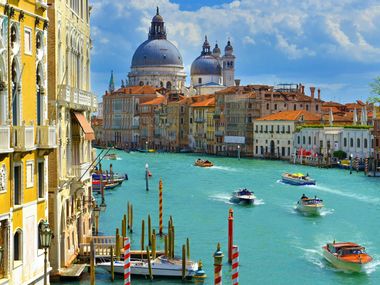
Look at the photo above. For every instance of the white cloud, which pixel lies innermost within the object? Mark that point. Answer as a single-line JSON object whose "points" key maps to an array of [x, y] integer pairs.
{"points": [[248, 40]]}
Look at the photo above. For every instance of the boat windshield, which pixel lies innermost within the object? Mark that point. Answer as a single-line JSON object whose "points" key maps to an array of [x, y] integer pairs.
{"points": [[312, 201], [350, 251], [244, 192]]}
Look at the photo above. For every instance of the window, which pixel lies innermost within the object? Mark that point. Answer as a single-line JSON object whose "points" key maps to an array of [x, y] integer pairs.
{"points": [[261, 128], [191, 120], [303, 140], [275, 106], [295, 107], [345, 142], [365, 143], [257, 149], [17, 185], [358, 142], [267, 106], [307, 107], [200, 80], [316, 108], [181, 121], [3, 179], [28, 41], [41, 180], [17, 246], [298, 139], [309, 140], [351, 142]]}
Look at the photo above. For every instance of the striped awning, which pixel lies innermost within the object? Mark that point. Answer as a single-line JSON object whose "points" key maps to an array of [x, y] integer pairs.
{"points": [[86, 127]]}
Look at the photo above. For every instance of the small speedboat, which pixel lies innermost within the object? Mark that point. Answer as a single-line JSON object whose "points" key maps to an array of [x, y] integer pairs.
{"points": [[114, 176], [111, 156], [161, 266], [243, 196], [107, 185], [311, 206], [346, 256], [297, 179], [151, 150], [203, 163]]}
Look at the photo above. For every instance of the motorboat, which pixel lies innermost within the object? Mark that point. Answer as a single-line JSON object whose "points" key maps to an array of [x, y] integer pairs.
{"points": [[151, 150], [243, 196], [344, 163], [297, 179], [203, 163], [311, 206], [346, 256], [161, 266], [107, 185], [113, 176], [111, 156]]}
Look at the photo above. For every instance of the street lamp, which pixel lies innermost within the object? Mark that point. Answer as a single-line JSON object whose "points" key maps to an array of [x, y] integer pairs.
{"points": [[45, 238], [146, 177], [351, 156], [238, 147], [97, 214], [146, 145]]}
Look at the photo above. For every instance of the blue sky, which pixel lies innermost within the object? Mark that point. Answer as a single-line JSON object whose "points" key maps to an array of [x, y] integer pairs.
{"points": [[333, 45]]}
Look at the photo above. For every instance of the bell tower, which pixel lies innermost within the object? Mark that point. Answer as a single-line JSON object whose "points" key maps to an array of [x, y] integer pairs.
{"points": [[228, 60]]}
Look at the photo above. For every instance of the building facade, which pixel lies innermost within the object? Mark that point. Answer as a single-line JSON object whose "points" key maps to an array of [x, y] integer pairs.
{"points": [[157, 62], [70, 196], [27, 137]]}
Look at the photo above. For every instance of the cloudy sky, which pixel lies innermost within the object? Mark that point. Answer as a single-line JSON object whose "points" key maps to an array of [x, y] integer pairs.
{"points": [[334, 45]]}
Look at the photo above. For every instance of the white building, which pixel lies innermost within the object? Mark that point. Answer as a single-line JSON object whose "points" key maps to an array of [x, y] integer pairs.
{"points": [[157, 62], [273, 134], [350, 139]]}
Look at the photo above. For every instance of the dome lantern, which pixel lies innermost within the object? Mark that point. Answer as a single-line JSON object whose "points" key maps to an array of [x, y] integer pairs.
{"points": [[157, 29]]}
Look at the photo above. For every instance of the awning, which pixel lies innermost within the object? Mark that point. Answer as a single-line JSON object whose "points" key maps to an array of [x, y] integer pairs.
{"points": [[86, 127]]}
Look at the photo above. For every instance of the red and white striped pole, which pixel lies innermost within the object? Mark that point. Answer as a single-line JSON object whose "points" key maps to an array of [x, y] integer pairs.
{"points": [[218, 259], [160, 207], [127, 262], [235, 265]]}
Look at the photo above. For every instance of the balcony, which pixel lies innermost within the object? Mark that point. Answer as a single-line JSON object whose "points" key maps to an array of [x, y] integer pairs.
{"points": [[135, 126], [23, 138], [199, 120], [218, 133], [5, 142], [76, 98], [46, 137]]}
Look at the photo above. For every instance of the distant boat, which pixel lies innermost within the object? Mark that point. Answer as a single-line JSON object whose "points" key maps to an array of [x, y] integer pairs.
{"points": [[186, 150], [106, 185], [161, 266], [114, 176], [203, 163], [142, 150], [346, 256], [151, 150], [111, 156], [243, 196], [311, 206], [297, 179]]}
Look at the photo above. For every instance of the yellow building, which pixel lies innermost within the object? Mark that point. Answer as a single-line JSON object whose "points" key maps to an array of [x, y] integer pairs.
{"points": [[27, 136], [70, 195]]}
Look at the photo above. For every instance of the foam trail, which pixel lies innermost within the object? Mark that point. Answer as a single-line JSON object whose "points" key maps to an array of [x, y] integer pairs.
{"points": [[313, 256], [362, 198], [325, 212], [221, 198], [259, 202], [372, 267], [225, 168]]}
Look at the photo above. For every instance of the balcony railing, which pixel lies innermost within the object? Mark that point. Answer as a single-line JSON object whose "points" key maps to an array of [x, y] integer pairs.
{"points": [[79, 98], [23, 138], [5, 141], [80, 169], [199, 120], [46, 137]]}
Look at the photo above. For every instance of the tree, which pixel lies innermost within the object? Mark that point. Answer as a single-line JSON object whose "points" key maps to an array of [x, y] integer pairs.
{"points": [[375, 89], [340, 154]]}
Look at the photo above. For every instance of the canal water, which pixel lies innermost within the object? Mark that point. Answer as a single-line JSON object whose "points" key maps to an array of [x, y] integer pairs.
{"points": [[277, 244]]}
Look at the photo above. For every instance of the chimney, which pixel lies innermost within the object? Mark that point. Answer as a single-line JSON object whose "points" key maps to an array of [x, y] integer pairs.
{"points": [[302, 89], [312, 91], [237, 82], [319, 94]]}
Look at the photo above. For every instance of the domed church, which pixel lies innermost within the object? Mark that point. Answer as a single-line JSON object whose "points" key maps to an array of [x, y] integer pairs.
{"points": [[211, 72], [157, 62]]}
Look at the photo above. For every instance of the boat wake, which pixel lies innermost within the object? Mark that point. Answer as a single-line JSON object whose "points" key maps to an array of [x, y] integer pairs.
{"points": [[313, 256], [225, 168], [222, 198], [372, 267], [326, 212], [259, 202], [362, 198]]}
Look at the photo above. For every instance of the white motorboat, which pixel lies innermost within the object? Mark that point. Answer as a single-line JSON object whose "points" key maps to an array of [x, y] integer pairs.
{"points": [[243, 196], [297, 179], [311, 206], [161, 266]]}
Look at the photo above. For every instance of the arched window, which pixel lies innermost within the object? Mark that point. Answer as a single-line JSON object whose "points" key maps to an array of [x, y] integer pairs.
{"points": [[309, 140], [345, 142], [141, 83], [267, 106], [351, 142], [357, 142], [161, 84], [316, 108], [17, 246], [295, 107], [365, 143], [303, 140], [298, 139], [168, 85]]}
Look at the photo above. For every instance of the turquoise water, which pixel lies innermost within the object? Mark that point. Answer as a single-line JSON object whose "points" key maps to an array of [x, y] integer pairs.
{"points": [[277, 244]]}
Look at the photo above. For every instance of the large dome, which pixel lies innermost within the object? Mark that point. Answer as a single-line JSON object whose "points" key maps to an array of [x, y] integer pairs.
{"points": [[206, 65], [157, 52]]}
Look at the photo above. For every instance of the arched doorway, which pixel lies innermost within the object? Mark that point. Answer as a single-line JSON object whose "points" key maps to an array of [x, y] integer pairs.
{"points": [[272, 148]]}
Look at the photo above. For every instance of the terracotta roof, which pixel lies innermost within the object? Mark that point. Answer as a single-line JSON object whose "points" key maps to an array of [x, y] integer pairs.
{"points": [[210, 102], [331, 104], [291, 116], [334, 110], [156, 101], [134, 90]]}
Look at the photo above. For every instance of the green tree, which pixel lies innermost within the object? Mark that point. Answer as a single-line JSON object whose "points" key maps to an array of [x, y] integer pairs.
{"points": [[375, 89]]}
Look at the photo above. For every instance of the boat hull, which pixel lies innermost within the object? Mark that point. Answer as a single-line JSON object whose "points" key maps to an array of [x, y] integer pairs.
{"points": [[141, 268], [343, 265], [297, 182], [243, 200], [310, 209]]}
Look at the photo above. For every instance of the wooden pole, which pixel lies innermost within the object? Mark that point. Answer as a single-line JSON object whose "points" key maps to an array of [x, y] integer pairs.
{"points": [[188, 248], [149, 231], [183, 262], [154, 245], [230, 233], [160, 207], [92, 263], [142, 237], [117, 245], [173, 239], [123, 228], [169, 242], [129, 212], [112, 265], [166, 246], [149, 263], [131, 226]]}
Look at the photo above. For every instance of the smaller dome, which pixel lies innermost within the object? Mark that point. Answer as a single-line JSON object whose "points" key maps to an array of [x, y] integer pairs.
{"points": [[157, 18], [216, 49], [228, 49], [206, 65]]}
